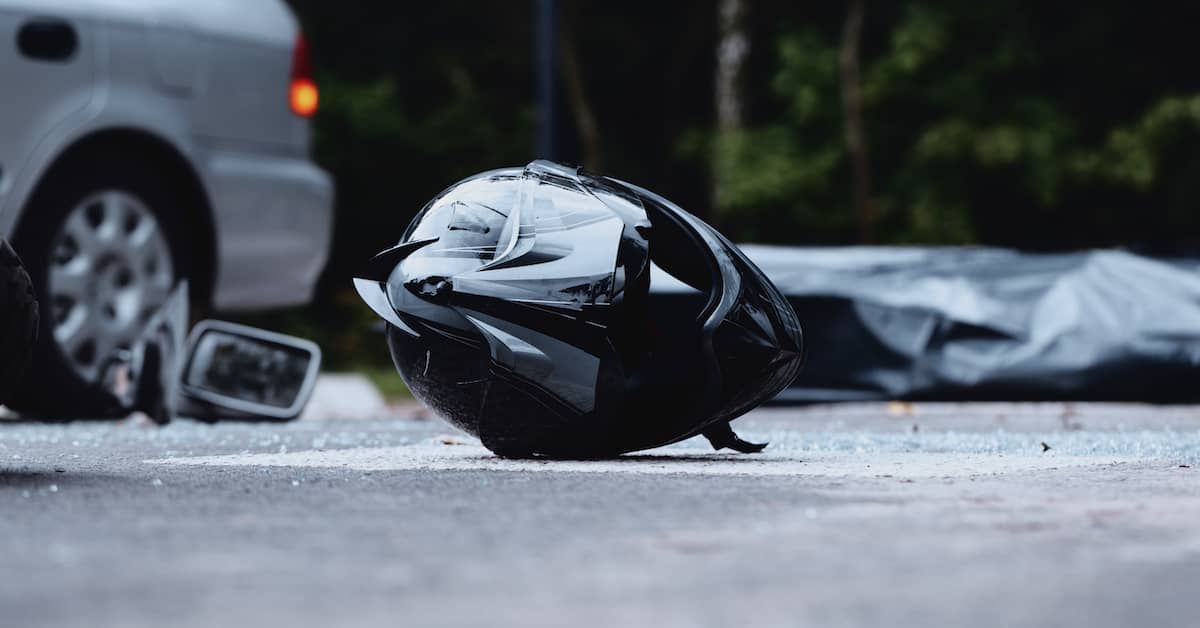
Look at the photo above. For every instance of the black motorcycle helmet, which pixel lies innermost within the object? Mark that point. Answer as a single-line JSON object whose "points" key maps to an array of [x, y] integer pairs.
{"points": [[518, 308]]}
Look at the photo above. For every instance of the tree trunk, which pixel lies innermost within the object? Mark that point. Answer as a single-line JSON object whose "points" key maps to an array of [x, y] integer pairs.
{"points": [[733, 48], [581, 109], [852, 115]]}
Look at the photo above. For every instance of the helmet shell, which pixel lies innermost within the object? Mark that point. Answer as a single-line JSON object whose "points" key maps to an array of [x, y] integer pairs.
{"points": [[519, 310]]}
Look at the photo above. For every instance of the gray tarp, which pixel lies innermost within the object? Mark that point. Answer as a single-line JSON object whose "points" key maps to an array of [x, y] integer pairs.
{"points": [[984, 323]]}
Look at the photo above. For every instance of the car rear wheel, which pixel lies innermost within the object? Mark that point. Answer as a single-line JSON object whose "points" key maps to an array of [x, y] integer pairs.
{"points": [[104, 248]]}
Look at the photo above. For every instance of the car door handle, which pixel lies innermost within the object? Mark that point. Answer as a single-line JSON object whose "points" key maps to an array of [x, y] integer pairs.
{"points": [[47, 39]]}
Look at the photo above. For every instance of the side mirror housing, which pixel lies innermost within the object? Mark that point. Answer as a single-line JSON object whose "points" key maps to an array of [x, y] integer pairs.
{"points": [[235, 371]]}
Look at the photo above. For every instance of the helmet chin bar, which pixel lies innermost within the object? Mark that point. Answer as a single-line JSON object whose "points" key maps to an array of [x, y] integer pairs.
{"points": [[721, 436], [519, 309]]}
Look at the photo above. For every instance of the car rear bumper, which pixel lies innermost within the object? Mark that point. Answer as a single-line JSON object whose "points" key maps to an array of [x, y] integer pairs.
{"points": [[273, 216]]}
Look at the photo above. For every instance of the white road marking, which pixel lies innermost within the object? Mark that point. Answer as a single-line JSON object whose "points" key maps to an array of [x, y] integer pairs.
{"points": [[434, 456]]}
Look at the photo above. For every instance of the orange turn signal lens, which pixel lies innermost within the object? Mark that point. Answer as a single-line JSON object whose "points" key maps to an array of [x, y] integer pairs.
{"points": [[303, 97]]}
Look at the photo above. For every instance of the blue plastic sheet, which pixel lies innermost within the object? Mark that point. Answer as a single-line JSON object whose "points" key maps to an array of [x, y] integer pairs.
{"points": [[984, 323]]}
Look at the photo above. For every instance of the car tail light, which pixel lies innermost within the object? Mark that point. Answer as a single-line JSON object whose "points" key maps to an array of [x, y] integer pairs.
{"points": [[302, 91]]}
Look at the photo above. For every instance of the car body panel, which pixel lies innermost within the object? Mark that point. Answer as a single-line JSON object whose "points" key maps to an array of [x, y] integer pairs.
{"points": [[51, 95], [208, 79], [272, 252]]}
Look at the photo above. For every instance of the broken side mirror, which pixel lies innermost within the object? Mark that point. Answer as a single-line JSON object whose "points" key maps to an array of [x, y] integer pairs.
{"points": [[239, 372]]}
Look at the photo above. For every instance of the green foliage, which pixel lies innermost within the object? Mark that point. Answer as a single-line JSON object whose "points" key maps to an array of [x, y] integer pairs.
{"points": [[792, 163], [1131, 154], [962, 130]]}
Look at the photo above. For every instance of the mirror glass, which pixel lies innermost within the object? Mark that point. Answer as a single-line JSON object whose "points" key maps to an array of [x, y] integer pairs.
{"points": [[250, 370]]}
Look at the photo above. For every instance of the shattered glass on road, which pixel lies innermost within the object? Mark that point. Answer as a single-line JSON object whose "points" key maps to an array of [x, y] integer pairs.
{"points": [[865, 514]]}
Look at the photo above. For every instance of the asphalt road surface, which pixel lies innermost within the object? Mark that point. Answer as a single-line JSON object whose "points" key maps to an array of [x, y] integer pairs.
{"points": [[861, 515]]}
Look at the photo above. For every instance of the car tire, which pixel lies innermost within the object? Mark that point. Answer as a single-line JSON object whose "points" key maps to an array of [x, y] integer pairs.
{"points": [[55, 388], [18, 321]]}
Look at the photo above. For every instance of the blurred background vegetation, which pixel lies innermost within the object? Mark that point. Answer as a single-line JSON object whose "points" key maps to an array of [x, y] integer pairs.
{"points": [[1027, 124]]}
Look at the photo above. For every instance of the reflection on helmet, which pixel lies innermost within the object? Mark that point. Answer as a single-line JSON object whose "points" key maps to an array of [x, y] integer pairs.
{"points": [[518, 309]]}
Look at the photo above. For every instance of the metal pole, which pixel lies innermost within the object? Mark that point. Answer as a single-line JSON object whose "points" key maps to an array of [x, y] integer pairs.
{"points": [[546, 48]]}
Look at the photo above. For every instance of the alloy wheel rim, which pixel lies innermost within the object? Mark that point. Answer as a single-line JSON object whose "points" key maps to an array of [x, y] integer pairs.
{"points": [[110, 270]]}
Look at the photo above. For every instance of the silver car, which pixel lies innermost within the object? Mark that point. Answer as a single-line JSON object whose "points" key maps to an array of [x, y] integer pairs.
{"points": [[144, 141]]}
